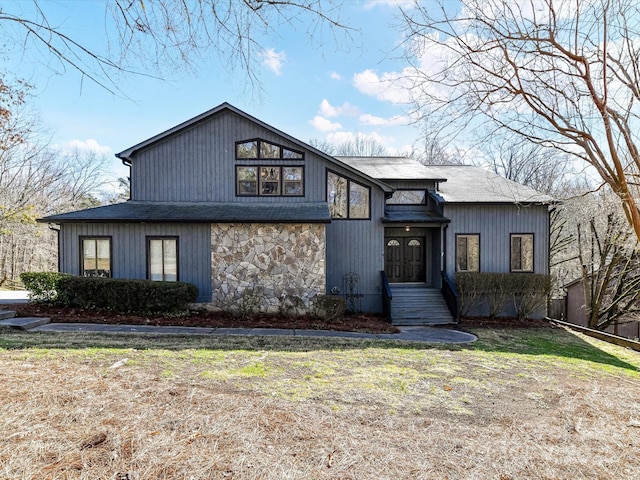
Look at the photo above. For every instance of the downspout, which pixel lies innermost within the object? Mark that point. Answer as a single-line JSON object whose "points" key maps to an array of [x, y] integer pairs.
{"points": [[57, 230]]}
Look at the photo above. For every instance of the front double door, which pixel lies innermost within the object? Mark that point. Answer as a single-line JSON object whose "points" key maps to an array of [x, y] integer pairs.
{"points": [[405, 259]]}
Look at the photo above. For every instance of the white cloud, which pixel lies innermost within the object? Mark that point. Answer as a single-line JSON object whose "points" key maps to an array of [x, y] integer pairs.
{"points": [[335, 76], [330, 111], [88, 145], [393, 87], [368, 119], [273, 60], [324, 125]]}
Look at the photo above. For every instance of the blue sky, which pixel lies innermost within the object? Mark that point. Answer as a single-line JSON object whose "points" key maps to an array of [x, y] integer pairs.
{"points": [[326, 92]]}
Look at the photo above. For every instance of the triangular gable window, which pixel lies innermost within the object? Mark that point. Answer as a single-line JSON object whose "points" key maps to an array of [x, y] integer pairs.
{"points": [[261, 149]]}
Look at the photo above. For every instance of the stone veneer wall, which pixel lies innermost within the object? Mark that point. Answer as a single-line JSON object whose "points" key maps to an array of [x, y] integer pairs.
{"points": [[267, 267]]}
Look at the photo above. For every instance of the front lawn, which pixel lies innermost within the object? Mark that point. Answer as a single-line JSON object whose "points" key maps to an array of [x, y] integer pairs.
{"points": [[517, 404]]}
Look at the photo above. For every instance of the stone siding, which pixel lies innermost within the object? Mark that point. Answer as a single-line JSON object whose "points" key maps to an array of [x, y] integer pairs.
{"points": [[267, 267]]}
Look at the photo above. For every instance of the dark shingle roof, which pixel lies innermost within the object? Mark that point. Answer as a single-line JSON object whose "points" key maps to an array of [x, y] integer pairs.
{"points": [[132, 211], [456, 183]]}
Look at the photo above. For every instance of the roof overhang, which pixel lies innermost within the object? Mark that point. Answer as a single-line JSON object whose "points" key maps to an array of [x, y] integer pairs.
{"points": [[202, 212], [407, 218]]}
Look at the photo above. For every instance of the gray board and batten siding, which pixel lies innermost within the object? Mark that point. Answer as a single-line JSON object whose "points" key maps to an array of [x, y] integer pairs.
{"points": [[184, 180], [198, 163], [495, 223], [129, 249], [357, 245]]}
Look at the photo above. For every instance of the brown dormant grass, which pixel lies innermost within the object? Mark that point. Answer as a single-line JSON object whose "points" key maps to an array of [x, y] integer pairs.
{"points": [[542, 404]]}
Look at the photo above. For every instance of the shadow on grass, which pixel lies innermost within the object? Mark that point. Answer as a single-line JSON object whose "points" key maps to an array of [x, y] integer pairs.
{"points": [[537, 342], [556, 342]]}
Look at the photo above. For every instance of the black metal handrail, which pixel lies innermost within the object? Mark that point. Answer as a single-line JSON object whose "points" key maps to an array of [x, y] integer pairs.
{"points": [[386, 296], [451, 296]]}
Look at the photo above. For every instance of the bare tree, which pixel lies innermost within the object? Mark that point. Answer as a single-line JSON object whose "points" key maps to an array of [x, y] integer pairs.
{"points": [[163, 33], [561, 74], [610, 260], [430, 150], [36, 180], [359, 146], [546, 170]]}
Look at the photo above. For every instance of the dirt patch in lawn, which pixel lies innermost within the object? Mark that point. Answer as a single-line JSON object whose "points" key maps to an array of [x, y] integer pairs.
{"points": [[352, 323]]}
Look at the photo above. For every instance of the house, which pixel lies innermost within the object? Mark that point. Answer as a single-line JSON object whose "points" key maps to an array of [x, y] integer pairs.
{"points": [[239, 208]]}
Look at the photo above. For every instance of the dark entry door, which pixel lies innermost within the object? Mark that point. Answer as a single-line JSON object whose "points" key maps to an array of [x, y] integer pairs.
{"points": [[404, 259]]}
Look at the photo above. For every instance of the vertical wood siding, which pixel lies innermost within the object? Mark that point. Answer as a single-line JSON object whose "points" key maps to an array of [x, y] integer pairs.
{"points": [[495, 224], [129, 250], [198, 165], [358, 246]]}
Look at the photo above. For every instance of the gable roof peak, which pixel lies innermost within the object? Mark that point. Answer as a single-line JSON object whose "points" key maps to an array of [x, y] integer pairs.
{"points": [[127, 155]]}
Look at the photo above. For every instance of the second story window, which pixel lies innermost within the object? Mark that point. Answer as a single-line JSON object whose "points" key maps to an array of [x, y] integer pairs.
{"points": [[269, 181], [347, 198], [407, 197], [259, 149]]}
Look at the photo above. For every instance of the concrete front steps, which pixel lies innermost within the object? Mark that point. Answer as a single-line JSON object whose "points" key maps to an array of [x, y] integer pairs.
{"points": [[8, 320], [416, 304]]}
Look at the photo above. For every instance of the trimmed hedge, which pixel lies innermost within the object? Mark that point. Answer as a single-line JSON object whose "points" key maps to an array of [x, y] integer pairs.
{"points": [[127, 296], [526, 292], [43, 286]]}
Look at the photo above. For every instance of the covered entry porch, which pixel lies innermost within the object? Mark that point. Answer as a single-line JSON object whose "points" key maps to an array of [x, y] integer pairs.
{"points": [[412, 254], [413, 265]]}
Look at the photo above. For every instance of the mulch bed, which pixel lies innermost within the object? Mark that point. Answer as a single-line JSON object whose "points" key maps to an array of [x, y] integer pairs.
{"points": [[352, 323]]}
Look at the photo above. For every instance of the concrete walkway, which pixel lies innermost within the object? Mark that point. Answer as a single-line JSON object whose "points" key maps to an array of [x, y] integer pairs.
{"points": [[413, 334]]}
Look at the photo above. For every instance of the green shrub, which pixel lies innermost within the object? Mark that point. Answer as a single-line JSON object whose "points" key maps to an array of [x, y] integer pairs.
{"points": [[528, 292], [128, 296], [44, 287]]}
